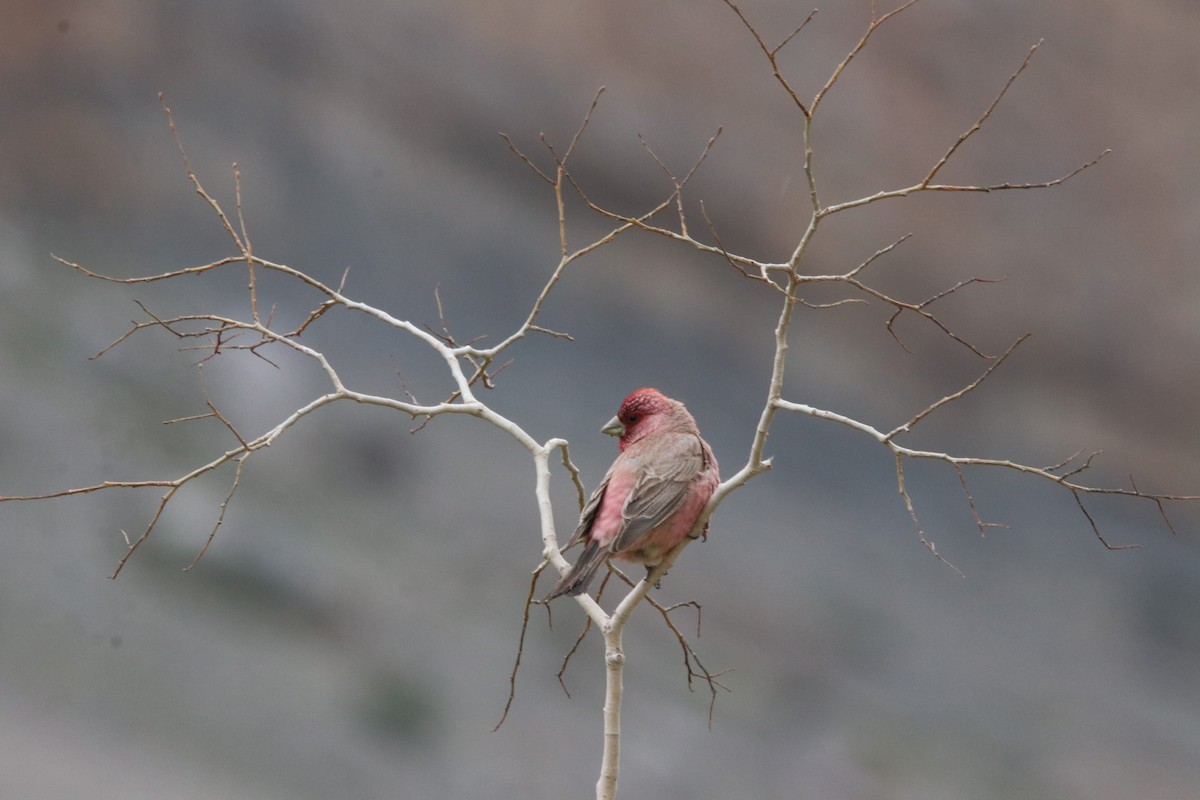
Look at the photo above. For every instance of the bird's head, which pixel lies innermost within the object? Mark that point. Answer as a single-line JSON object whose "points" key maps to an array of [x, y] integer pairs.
{"points": [[643, 412]]}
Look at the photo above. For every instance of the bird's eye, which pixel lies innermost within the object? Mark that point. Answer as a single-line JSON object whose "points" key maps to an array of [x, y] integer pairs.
{"points": [[633, 418]]}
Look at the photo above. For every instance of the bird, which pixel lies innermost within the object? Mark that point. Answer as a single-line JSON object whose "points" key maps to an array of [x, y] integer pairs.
{"points": [[651, 496]]}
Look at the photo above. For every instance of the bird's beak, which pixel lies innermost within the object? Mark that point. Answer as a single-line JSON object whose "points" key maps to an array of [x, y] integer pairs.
{"points": [[613, 427]]}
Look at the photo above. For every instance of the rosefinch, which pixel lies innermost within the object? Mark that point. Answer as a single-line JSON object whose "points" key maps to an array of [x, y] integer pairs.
{"points": [[652, 494]]}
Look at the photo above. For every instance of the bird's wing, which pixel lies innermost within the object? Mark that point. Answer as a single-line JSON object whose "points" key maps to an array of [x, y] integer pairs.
{"points": [[662, 485], [588, 516]]}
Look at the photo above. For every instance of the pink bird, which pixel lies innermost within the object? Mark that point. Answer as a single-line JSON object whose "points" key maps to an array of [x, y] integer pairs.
{"points": [[653, 493]]}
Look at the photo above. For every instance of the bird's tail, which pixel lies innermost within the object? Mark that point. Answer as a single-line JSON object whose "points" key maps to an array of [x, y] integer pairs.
{"points": [[576, 581]]}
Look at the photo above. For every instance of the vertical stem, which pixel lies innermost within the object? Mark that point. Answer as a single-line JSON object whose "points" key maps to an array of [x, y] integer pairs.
{"points": [[756, 462], [614, 662]]}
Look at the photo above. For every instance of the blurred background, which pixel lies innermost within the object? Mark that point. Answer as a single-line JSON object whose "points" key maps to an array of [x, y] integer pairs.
{"points": [[351, 631]]}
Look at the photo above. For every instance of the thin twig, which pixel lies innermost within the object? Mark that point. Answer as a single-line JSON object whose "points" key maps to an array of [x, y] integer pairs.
{"points": [[950, 398], [983, 526], [912, 513], [969, 132], [1096, 528], [212, 534], [876, 21], [901, 452], [195, 181], [512, 677], [772, 52], [1161, 509], [690, 656]]}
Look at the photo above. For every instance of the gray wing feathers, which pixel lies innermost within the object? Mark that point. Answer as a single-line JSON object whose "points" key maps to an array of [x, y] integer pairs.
{"points": [[588, 515]]}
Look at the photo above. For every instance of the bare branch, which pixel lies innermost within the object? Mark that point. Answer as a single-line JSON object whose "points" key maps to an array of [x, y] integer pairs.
{"points": [[512, 677], [999, 187], [213, 204], [935, 187], [587, 118], [876, 21], [932, 407], [878, 254], [901, 306], [694, 668], [740, 265], [792, 35], [581, 493], [587, 626], [212, 534], [1065, 461], [162, 276], [926, 184], [678, 183], [312, 317], [247, 247], [96, 487], [849, 301], [1086, 465], [526, 159], [136, 543], [916, 308], [772, 52], [982, 117], [213, 413], [912, 513], [191, 418], [1096, 529], [1161, 509], [983, 526], [551, 333], [900, 452]]}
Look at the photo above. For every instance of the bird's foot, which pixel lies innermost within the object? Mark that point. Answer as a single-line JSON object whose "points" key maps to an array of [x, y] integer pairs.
{"points": [[650, 571]]}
